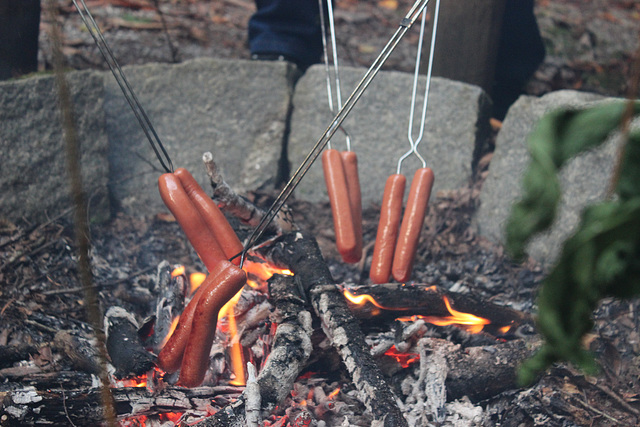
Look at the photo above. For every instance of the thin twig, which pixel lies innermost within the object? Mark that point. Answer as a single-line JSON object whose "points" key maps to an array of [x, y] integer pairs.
{"points": [[64, 405], [612, 394], [172, 48], [99, 285]]}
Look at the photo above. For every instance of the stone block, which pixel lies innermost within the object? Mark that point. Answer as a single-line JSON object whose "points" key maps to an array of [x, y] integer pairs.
{"points": [[33, 170], [585, 179], [238, 110]]}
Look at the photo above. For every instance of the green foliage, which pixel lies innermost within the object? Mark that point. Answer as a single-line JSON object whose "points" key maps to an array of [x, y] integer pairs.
{"points": [[602, 258]]}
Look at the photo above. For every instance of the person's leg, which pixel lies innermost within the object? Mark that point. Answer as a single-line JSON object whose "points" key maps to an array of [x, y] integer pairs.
{"points": [[290, 28], [19, 27], [520, 53]]}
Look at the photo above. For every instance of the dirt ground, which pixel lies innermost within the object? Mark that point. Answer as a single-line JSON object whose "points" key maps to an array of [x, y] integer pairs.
{"points": [[589, 43]]}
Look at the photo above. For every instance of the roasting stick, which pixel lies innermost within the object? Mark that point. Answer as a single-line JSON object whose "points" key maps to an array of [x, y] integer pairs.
{"points": [[406, 23], [341, 168], [127, 91], [396, 243]]}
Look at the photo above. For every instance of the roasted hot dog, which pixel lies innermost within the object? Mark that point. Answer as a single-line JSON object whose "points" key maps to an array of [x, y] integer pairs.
{"points": [[350, 165], [170, 357], [227, 282], [412, 224], [215, 220], [203, 241], [335, 179], [390, 215]]}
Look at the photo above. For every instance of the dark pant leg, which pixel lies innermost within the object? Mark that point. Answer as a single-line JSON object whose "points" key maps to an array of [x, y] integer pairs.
{"points": [[287, 27], [520, 53], [19, 28]]}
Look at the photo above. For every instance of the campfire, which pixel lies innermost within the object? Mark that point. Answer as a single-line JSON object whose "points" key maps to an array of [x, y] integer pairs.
{"points": [[295, 346]]}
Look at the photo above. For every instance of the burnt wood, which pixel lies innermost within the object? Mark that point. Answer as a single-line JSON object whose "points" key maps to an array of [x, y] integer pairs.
{"points": [[407, 300], [301, 254], [124, 346], [70, 398]]}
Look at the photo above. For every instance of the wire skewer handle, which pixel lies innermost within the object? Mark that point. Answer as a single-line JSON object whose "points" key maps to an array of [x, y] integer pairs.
{"points": [[415, 141]]}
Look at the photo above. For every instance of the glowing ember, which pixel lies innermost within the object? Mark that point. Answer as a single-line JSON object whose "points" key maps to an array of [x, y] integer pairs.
{"points": [[196, 279], [237, 362], [404, 359], [178, 271], [334, 393], [140, 381], [504, 329]]}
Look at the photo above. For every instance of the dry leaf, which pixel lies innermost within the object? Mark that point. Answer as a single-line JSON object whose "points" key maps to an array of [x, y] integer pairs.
{"points": [[388, 4]]}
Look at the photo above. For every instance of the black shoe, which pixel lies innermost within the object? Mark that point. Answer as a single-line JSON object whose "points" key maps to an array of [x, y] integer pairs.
{"points": [[277, 57]]}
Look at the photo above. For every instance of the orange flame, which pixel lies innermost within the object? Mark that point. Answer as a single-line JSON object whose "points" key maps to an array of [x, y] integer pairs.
{"points": [[178, 271], [504, 329], [469, 322], [140, 381], [334, 393], [363, 299], [264, 271], [196, 279], [172, 328], [237, 362]]}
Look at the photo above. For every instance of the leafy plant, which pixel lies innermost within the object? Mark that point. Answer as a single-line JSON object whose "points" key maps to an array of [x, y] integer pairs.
{"points": [[602, 258]]}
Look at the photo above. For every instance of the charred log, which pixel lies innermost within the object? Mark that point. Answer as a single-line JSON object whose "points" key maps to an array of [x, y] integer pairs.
{"points": [[407, 300], [301, 254], [10, 354], [171, 292], [124, 346], [70, 398]]}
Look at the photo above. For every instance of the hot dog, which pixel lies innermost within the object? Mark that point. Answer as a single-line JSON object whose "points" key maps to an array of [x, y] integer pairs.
{"points": [[227, 282], [412, 224], [390, 214], [340, 205], [170, 357], [213, 218], [175, 198], [350, 165]]}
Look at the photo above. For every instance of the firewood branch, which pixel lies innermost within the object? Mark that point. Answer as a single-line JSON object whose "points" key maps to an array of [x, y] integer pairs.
{"points": [[232, 203], [301, 254]]}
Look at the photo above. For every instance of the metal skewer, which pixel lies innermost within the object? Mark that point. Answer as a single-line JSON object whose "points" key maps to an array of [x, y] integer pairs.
{"points": [[129, 94], [334, 60], [414, 142], [366, 80]]}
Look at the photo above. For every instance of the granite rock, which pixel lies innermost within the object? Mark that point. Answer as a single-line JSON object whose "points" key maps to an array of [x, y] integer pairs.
{"points": [[33, 167], [585, 179]]}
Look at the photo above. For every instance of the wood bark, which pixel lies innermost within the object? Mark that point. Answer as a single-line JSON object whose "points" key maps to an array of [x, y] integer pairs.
{"points": [[71, 398], [239, 207], [301, 254]]}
